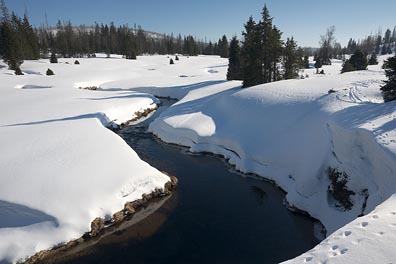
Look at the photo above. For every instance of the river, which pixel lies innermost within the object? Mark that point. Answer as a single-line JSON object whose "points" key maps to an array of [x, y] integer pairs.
{"points": [[215, 216]]}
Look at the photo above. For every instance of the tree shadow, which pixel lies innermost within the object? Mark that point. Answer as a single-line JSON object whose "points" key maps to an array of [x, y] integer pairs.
{"points": [[99, 116], [182, 90], [128, 95], [17, 215], [358, 115]]}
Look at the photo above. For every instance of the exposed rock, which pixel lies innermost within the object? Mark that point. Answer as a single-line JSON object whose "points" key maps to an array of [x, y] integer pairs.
{"points": [[97, 225], [129, 207], [171, 185], [118, 217], [91, 88]]}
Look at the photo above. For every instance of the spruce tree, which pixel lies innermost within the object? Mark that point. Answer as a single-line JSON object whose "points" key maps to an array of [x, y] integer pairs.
{"points": [[357, 62], [373, 60], [347, 67], [271, 47], [53, 58], [234, 61], [289, 62], [318, 63], [31, 47], [50, 72], [389, 89], [11, 40], [223, 47], [251, 54], [306, 62]]}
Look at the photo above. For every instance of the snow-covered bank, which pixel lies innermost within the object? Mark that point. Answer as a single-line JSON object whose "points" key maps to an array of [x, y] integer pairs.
{"points": [[368, 239], [293, 131], [60, 168]]}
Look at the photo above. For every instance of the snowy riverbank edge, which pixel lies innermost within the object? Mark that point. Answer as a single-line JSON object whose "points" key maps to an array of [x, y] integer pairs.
{"points": [[101, 227], [294, 132]]}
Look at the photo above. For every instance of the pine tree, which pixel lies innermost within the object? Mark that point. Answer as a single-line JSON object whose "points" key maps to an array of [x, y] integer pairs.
{"points": [[383, 49], [347, 67], [306, 62], [251, 55], [31, 48], [234, 61], [11, 40], [53, 58], [267, 36], [271, 48], [357, 62], [373, 60], [223, 47], [387, 37], [290, 59], [318, 63], [389, 89], [50, 72]]}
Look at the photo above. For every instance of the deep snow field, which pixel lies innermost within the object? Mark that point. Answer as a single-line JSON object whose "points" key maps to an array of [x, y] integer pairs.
{"points": [[60, 167]]}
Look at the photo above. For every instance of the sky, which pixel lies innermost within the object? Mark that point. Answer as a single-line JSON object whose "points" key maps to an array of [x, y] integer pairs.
{"points": [[305, 20]]}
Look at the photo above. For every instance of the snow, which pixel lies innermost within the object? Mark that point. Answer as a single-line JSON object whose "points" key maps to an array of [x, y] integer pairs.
{"points": [[368, 239], [60, 166], [293, 131]]}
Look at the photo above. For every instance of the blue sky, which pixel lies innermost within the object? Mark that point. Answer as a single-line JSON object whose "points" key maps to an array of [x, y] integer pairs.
{"points": [[306, 20]]}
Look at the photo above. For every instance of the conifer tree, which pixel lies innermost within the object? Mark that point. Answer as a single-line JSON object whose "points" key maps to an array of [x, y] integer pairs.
{"points": [[234, 60], [347, 67], [223, 47], [357, 62], [389, 89], [53, 58], [271, 47], [31, 47], [318, 63], [290, 63], [373, 60], [306, 62], [50, 72], [10, 38], [251, 55]]}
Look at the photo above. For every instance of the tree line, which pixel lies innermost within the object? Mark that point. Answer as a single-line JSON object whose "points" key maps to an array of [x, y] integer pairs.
{"points": [[258, 57], [19, 41]]}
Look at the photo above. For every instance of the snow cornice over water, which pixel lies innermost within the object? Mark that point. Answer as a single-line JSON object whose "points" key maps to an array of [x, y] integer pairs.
{"points": [[60, 167]]}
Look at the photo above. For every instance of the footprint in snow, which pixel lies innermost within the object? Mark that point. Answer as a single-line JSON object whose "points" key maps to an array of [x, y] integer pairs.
{"points": [[380, 233], [346, 233], [375, 217], [308, 259], [335, 247], [364, 224], [345, 250]]}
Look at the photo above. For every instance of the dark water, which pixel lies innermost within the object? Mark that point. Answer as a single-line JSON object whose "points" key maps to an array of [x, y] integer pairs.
{"points": [[216, 216]]}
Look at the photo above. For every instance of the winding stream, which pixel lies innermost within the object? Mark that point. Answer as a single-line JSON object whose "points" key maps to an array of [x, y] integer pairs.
{"points": [[216, 215]]}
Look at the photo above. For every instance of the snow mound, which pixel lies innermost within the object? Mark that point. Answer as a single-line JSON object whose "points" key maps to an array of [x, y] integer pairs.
{"points": [[367, 239], [295, 132]]}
